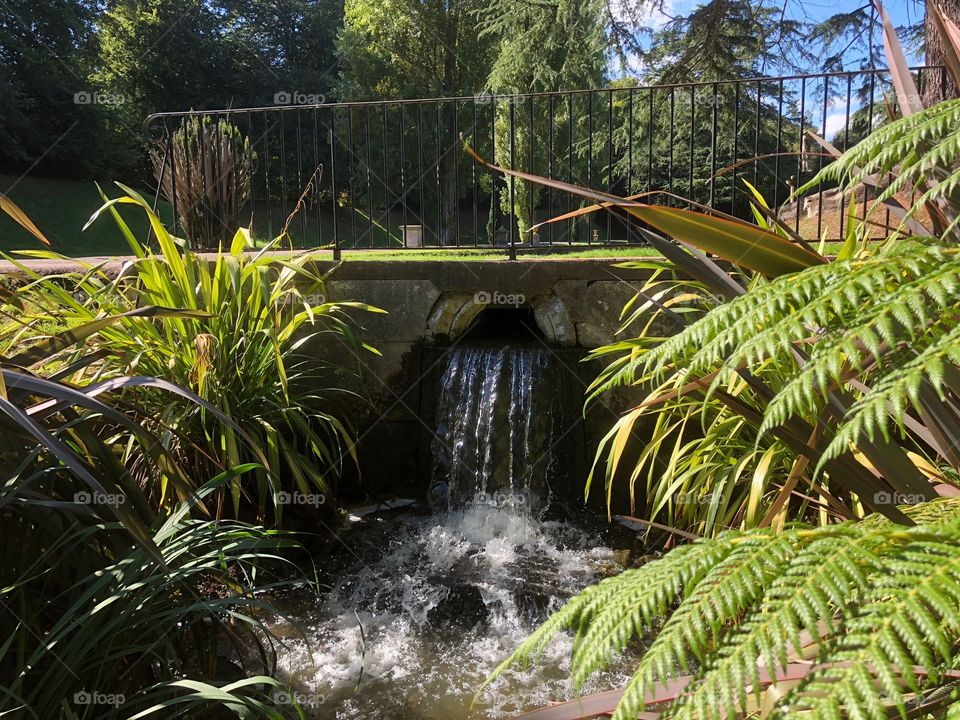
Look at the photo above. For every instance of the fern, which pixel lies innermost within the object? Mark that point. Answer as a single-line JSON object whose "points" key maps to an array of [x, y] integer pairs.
{"points": [[876, 598]]}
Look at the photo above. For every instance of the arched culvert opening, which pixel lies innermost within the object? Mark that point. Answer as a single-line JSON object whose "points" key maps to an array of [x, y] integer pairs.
{"points": [[454, 313], [499, 324]]}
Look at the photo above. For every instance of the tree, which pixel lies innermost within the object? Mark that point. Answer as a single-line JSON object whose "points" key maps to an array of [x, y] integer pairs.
{"points": [[726, 40], [164, 55], [51, 118], [290, 45], [548, 46], [412, 49], [933, 45]]}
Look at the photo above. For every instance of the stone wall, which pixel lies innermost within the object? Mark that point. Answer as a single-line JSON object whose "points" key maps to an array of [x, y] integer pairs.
{"points": [[576, 305]]}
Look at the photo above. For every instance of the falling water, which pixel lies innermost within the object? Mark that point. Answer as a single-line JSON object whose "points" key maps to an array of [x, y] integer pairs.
{"points": [[425, 603], [497, 422]]}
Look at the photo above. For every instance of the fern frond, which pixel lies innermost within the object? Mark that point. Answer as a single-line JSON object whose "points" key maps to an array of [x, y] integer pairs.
{"points": [[891, 396], [910, 616], [824, 578], [872, 599], [723, 594]]}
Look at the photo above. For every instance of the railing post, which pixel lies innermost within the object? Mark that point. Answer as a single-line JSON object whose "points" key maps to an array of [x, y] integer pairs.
{"points": [[331, 134]]}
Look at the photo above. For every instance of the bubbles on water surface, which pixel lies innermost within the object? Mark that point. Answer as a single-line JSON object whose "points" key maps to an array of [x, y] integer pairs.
{"points": [[386, 643]]}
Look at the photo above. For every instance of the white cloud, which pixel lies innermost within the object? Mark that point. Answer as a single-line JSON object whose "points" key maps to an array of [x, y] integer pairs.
{"points": [[835, 123], [648, 16]]}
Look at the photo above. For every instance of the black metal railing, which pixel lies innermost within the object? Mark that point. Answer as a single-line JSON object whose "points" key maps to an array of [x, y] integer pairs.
{"points": [[394, 174]]}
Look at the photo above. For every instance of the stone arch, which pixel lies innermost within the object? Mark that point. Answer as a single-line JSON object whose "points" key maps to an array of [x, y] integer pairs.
{"points": [[455, 312]]}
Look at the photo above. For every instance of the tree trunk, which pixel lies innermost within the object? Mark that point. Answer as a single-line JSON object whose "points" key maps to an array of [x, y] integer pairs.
{"points": [[938, 86]]}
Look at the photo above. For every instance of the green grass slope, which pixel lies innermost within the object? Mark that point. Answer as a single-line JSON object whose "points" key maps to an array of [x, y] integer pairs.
{"points": [[60, 209]]}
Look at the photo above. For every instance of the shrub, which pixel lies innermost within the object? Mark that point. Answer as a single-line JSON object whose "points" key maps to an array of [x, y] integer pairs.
{"points": [[109, 607], [206, 178], [236, 344]]}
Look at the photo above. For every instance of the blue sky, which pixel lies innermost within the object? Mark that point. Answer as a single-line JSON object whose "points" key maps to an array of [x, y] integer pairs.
{"points": [[902, 12]]}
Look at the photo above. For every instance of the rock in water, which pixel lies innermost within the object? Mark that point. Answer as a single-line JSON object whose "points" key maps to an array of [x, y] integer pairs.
{"points": [[438, 497], [462, 608]]}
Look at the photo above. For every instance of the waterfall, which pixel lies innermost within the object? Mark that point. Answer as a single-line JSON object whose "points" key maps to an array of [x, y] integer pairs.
{"points": [[498, 421], [422, 606]]}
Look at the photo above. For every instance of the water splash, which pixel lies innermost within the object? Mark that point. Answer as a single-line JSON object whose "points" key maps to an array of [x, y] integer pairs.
{"points": [[374, 650], [427, 605]]}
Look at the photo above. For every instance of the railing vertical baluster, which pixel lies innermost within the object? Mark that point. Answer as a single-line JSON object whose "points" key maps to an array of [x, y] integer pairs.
{"points": [[873, 79], [266, 176], [590, 139], [532, 166], [300, 187], [473, 172], [352, 172], [571, 224], [455, 135], [513, 181], [693, 125], [494, 199], [283, 168], [673, 107], [823, 129], [609, 161], [403, 176], [218, 192], [756, 135], [421, 211], [736, 147], [316, 180], [551, 110], [800, 156], [173, 176], [332, 137], [386, 174], [439, 173], [201, 168], [591, 223], [251, 173], [650, 131], [369, 163], [776, 158], [630, 142], [714, 146], [846, 145]]}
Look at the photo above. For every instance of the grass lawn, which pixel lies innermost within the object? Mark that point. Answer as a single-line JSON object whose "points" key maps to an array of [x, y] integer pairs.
{"points": [[60, 209], [468, 254]]}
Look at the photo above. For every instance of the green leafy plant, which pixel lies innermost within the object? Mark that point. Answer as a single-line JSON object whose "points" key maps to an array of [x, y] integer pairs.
{"points": [[110, 608], [840, 374], [206, 178], [238, 345], [857, 619], [796, 386]]}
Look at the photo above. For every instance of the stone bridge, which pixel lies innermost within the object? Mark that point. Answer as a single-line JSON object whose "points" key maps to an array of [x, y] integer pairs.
{"points": [[570, 305]]}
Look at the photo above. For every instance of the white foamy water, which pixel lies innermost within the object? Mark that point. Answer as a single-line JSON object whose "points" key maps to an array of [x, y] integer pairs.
{"points": [[371, 651]]}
